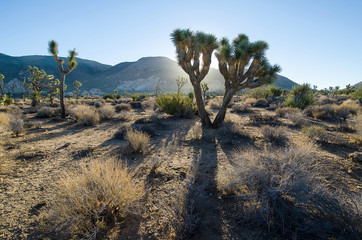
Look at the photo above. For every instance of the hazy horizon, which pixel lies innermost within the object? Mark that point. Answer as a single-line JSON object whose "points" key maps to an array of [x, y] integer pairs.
{"points": [[313, 42]]}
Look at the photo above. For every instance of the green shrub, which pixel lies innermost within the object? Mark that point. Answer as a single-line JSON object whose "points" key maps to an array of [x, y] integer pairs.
{"points": [[190, 95], [108, 96], [123, 107], [300, 97], [6, 101], [176, 104], [138, 97], [357, 94], [263, 92], [313, 132]]}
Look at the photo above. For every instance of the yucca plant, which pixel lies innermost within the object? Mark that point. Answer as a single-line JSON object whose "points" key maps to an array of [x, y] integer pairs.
{"points": [[301, 96], [72, 63]]}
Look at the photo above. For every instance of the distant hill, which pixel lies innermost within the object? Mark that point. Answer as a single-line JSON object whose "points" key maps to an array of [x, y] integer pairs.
{"points": [[140, 76], [357, 85]]}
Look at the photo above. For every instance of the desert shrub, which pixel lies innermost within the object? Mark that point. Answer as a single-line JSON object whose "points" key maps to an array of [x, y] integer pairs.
{"points": [[175, 104], [282, 192], [356, 124], [137, 140], [357, 94], [258, 118], [250, 101], [45, 112], [122, 107], [261, 103], [324, 99], [283, 111], [108, 96], [54, 105], [240, 108], [16, 125], [332, 112], [149, 104], [300, 96], [314, 132], [215, 103], [106, 112], [85, 115], [272, 134], [4, 119], [297, 118], [88, 201], [263, 92], [95, 103], [6, 101]]}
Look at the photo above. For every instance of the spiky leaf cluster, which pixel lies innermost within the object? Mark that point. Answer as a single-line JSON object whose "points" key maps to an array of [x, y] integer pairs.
{"points": [[72, 62], [243, 63], [41, 83], [194, 51]]}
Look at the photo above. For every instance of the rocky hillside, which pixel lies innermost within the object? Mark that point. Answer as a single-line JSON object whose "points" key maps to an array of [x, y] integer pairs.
{"points": [[140, 76]]}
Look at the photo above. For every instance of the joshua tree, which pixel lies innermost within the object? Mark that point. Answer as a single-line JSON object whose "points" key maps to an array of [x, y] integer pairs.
{"points": [[77, 85], [157, 90], [194, 52], [180, 81], [243, 65], [72, 63], [1, 84], [204, 88]]}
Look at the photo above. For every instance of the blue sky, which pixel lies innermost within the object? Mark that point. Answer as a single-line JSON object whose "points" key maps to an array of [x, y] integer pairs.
{"points": [[314, 41]]}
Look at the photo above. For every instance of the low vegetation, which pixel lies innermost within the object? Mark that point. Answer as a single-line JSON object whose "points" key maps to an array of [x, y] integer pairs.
{"points": [[176, 104], [137, 140], [85, 115]]}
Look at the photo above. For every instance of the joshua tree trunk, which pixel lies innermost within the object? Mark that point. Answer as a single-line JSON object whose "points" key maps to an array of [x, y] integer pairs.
{"points": [[205, 120], [61, 90], [229, 93]]}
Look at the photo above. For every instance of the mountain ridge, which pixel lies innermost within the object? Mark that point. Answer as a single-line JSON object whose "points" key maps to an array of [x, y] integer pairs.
{"points": [[138, 76]]}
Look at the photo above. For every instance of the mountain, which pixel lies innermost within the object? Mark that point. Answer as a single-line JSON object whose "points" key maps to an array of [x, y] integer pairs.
{"points": [[140, 76]]}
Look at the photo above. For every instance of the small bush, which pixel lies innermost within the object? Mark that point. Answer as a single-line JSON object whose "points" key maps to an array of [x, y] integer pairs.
{"points": [[17, 125], [300, 97], [273, 134], [282, 192], [215, 103], [240, 108], [356, 123], [108, 96], [88, 201], [282, 112], [6, 101], [137, 140], [250, 101], [85, 115], [314, 132], [45, 112], [261, 103], [297, 118], [263, 118], [4, 119], [149, 104], [357, 94], [175, 104], [123, 107], [106, 112]]}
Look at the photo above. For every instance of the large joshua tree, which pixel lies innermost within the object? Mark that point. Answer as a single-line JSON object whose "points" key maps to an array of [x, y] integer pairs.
{"points": [[72, 63], [243, 65], [194, 52]]}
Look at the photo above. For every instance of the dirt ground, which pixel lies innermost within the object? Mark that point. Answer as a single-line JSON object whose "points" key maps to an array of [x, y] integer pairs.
{"points": [[180, 154]]}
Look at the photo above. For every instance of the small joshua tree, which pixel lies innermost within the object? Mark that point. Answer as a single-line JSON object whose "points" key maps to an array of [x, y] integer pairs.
{"points": [[72, 63], [204, 88], [194, 52], [180, 81], [2, 84], [158, 90], [77, 85]]}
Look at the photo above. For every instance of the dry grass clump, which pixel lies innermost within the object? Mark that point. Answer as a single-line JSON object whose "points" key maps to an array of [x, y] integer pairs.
{"points": [[250, 101], [259, 118], [16, 125], [123, 107], [356, 123], [283, 193], [215, 103], [4, 119], [333, 112], [324, 100], [275, 134], [283, 111], [92, 199], [314, 132], [137, 140], [45, 112], [149, 104], [240, 108], [106, 112], [85, 115], [297, 118]]}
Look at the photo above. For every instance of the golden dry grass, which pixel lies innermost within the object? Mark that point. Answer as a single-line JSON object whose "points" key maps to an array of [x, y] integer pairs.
{"points": [[88, 200], [137, 140], [85, 115]]}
